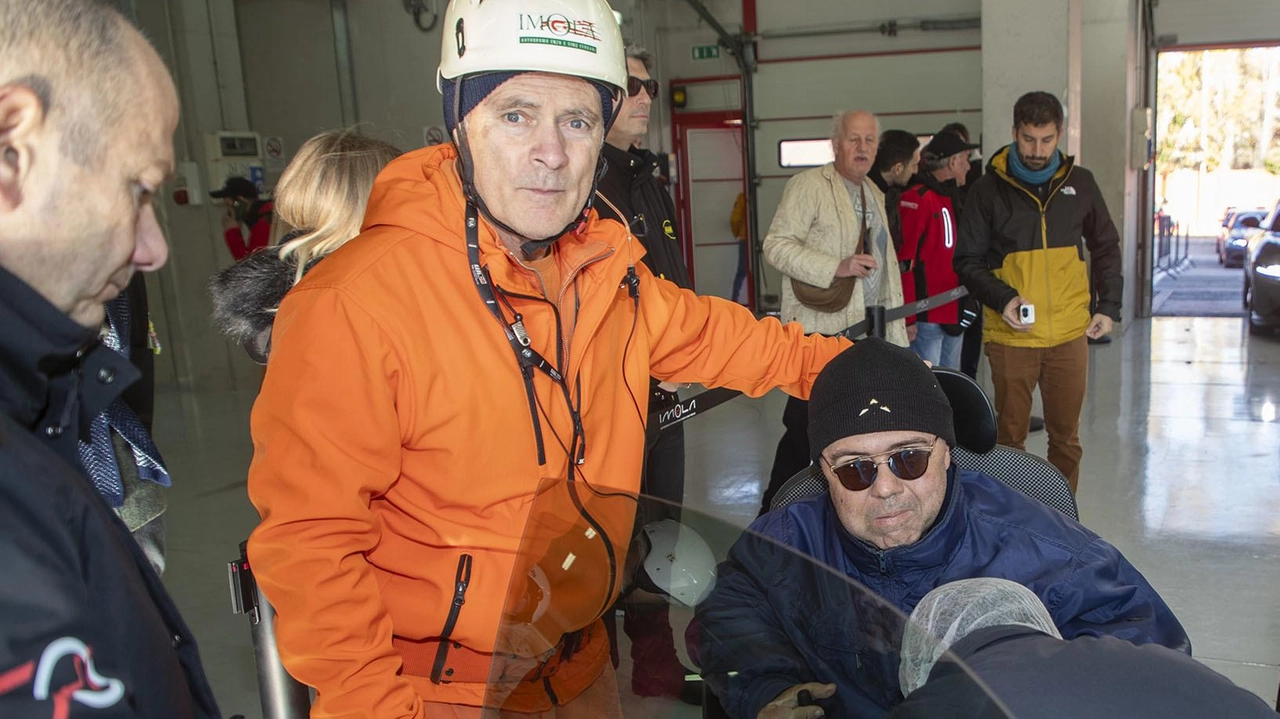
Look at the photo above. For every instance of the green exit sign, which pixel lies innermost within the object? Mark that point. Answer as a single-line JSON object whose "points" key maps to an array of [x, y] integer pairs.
{"points": [[706, 52]]}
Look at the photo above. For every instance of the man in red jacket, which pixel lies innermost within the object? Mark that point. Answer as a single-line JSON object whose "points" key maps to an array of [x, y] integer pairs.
{"points": [[928, 209], [244, 208]]}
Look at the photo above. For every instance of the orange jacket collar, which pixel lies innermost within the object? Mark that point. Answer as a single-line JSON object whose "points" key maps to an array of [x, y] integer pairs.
{"points": [[422, 190]]}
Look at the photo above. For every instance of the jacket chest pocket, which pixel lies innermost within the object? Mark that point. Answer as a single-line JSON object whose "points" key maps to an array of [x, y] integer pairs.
{"points": [[825, 234], [1065, 223], [1018, 231]]}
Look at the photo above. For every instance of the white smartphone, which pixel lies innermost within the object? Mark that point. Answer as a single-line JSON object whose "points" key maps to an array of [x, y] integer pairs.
{"points": [[1027, 314]]}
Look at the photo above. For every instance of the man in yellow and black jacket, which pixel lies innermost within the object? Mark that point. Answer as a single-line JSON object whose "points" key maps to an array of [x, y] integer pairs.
{"points": [[1023, 235]]}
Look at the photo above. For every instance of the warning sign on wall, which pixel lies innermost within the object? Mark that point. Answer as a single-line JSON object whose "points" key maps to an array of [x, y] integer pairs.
{"points": [[274, 147]]}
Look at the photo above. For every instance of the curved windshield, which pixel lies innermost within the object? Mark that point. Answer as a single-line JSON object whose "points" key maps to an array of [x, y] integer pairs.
{"points": [[751, 621], [1247, 219]]}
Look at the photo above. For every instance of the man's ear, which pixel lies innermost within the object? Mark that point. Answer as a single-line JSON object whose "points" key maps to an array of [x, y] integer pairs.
{"points": [[22, 118]]}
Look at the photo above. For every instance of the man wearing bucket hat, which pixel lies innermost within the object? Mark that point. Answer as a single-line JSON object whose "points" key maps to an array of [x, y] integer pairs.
{"points": [[452, 423], [899, 520]]}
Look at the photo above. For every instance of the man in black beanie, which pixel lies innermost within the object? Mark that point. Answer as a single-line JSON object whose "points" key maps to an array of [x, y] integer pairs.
{"points": [[877, 407], [899, 519]]}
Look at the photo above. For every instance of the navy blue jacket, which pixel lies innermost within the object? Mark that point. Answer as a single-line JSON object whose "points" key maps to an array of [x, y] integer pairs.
{"points": [[778, 619]]}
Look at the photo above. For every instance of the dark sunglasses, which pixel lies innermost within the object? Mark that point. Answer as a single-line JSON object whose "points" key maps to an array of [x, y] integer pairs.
{"points": [[860, 473], [635, 84]]}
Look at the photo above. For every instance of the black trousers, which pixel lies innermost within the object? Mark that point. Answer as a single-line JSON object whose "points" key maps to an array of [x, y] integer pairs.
{"points": [[656, 669], [663, 476], [793, 449], [971, 353]]}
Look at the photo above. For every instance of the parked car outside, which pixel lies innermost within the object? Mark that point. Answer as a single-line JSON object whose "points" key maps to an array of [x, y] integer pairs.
{"points": [[1262, 274], [1231, 239]]}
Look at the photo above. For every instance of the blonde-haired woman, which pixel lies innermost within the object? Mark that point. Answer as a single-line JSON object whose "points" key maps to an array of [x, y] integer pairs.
{"points": [[319, 205]]}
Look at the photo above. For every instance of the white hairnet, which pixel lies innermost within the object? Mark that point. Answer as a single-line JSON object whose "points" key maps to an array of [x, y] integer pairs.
{"points": [[954, 610]]}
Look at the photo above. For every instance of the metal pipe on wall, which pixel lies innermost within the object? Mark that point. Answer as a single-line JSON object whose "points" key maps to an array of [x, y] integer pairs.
{"points": [[731, 41], [749, 125], [741, 47], [345, 66], [889, 28]]}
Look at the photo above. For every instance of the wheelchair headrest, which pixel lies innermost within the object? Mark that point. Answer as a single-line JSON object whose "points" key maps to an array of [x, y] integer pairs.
{"points": [[974, 415]]}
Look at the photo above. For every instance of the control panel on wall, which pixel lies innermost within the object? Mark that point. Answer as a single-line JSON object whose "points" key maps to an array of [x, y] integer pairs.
{"points": [[231, 154]]}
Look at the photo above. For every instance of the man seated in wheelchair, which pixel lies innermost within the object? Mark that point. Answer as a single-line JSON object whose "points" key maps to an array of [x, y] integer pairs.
{"points": [[899, 519]]}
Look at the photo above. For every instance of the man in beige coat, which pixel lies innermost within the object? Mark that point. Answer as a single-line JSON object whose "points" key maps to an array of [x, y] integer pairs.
{"points": [[816, 238]]}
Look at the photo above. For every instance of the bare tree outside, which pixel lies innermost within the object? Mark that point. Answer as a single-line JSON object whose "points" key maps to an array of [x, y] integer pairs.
{"points": [[1216, 122]]}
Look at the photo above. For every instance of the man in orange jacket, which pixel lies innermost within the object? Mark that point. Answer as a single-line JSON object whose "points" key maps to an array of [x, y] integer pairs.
{"points": [[450, 433]]}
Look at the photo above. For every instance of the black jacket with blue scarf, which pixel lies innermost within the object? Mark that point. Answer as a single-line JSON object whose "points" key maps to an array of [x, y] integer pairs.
{"points": [[777, 618], [84, 621], [1030, 241]]}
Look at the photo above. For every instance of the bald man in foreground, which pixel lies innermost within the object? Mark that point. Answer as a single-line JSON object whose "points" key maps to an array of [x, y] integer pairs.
{"points": [[87, 115]]}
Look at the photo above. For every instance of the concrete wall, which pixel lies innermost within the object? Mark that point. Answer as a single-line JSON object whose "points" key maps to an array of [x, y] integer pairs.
{"points": [[1200, 22], [198, 41], [1020, 56], [395, 72], [304, 69], [1111, 87], [393, 65]]}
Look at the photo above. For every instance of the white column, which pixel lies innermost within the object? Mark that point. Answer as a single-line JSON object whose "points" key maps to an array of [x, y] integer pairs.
{"points": [[1112, 88], [1029, 45]]}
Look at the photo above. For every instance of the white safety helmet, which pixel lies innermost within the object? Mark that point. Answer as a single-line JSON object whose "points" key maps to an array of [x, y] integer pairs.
{"points": [[567, 37], [487, 41], [679, 563]]}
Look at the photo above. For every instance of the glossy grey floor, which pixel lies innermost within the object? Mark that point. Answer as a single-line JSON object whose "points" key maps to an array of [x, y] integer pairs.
{"points": [[1181, 472]]}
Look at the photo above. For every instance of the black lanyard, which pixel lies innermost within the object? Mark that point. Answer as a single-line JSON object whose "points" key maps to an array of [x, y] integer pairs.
{"points": [[518, 337]]}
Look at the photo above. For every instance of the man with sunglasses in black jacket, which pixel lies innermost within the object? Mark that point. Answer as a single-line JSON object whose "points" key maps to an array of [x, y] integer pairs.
{"points": [[899, 520], [631, 193]]}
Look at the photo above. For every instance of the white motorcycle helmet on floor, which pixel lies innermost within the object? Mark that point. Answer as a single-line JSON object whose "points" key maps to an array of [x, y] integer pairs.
{"points": [[679, 563]]}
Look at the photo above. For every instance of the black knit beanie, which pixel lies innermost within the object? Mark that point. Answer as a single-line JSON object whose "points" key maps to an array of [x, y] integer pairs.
{"points": [[875, 386], [476, 88]]}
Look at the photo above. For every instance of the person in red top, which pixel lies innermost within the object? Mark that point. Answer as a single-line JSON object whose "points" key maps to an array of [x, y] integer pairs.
{"points": [[244, 208], [928, 211]]}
